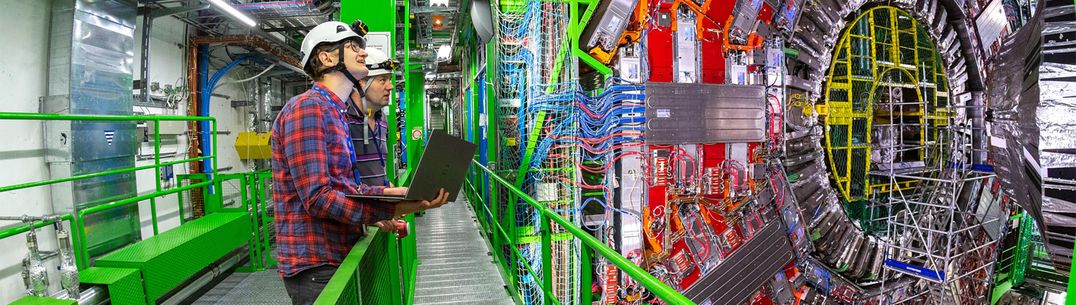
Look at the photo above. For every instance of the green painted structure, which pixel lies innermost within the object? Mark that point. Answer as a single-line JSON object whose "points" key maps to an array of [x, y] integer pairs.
{"points": [[124, 285], [168, 259]]}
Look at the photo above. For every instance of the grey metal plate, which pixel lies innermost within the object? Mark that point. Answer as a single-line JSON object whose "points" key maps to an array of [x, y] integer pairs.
{"points": [[745, 270], [704, 113], [262, 287]]}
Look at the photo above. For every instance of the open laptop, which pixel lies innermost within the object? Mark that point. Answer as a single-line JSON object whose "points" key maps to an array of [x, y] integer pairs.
{"points": [[444, 164]]}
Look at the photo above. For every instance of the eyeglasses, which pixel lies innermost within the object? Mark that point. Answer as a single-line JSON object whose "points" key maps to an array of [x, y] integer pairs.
{"points": [[355, 44], [351, 43]]}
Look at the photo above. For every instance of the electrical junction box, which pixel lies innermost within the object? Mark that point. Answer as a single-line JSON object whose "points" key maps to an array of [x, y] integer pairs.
{"points": [[253, 145], [612, 17], [167, 127]]}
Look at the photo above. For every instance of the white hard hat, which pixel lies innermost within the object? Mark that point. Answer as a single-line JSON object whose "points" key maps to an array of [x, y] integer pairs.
{"points": [[378, 62], [331, 31]]}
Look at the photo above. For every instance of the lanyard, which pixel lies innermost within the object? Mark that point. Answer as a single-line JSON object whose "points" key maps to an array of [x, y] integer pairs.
{"points": [[347, 132], [377, 145]]}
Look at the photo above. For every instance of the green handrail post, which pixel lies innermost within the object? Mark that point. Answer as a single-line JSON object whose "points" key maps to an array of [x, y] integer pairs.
{"points": [[156, 172], [179, 201], [547, 256], [392, 245], [267, 220], [1070, 296], [213, 142], [254, 225], [586, 275], [659, 289]]}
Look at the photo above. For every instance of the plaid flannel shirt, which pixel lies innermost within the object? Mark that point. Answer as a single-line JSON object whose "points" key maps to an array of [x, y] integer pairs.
{"points": [[316, 224]]}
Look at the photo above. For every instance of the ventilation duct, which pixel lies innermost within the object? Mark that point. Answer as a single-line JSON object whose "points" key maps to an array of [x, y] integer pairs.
{"points": [[91, 52]]}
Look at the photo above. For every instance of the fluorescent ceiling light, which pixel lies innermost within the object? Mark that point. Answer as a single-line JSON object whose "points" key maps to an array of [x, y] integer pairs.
{"points": [[438, 2], [228, 8]]}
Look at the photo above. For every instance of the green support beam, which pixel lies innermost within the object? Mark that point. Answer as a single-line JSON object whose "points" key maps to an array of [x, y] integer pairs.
{"points": [[586, 275], [576, 26], [547, 257], [1070, 296], [493, 138]]}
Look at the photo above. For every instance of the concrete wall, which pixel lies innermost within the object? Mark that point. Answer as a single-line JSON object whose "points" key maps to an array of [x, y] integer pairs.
{"points": [[23, 76], [23, 73]]}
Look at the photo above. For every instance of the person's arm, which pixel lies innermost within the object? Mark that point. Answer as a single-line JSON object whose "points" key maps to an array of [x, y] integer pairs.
{"points": [[371, 189], [304, 135]]}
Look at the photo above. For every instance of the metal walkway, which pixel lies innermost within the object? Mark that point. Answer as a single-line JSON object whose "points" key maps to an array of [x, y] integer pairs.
{"points": [[455, 266], [262, 287]]}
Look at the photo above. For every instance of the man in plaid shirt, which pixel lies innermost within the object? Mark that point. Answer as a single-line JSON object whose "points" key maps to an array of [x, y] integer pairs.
{"points": [[313, 168]]}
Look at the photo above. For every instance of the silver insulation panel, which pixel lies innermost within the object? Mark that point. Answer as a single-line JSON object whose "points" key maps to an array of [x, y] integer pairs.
{"points": [[704, 113], [91, 58]]}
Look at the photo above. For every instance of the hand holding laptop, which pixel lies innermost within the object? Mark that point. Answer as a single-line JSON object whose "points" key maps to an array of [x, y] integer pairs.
{"points": [[411, 206], [402, 208], [440, 172], [395, 191]]}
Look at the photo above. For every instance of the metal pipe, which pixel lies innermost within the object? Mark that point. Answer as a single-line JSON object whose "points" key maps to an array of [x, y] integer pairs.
{"points": [[253, 41], [37, 224], [203, 107], [28, 218], [35, 275], [666, 293]]}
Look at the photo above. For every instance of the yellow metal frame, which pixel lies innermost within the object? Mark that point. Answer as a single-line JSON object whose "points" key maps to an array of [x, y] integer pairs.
{"points": [[901, 41]]}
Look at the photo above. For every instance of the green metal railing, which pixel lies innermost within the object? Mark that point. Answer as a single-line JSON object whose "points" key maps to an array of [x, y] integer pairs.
{"points": [[546, 216], [77, 220], [253, 198], [372, 273]]}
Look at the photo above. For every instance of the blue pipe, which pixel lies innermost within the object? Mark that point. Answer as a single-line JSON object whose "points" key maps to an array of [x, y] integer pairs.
{"points": [[203, 80], [207, 84]]}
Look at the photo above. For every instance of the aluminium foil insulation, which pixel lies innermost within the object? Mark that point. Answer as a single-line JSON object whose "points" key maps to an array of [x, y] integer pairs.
{"points": [[829, 224], [1031, 119]]}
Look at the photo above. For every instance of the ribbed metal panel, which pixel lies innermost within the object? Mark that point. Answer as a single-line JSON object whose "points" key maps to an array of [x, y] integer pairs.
{"points": [[751, 266], [455, 263]]}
